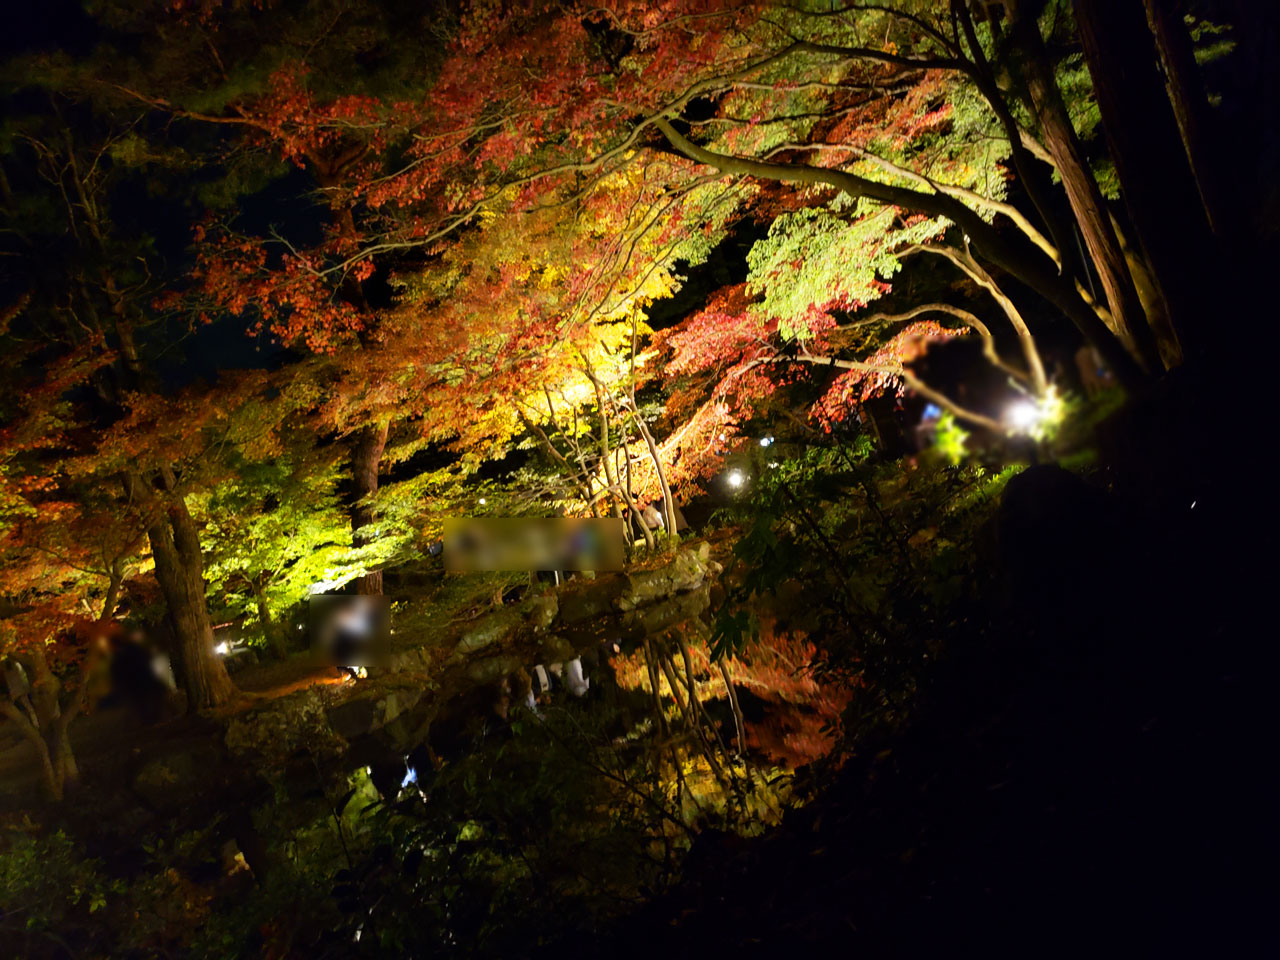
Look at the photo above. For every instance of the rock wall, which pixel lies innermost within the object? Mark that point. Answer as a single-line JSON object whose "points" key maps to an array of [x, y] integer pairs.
{"points": [[404, 695]]}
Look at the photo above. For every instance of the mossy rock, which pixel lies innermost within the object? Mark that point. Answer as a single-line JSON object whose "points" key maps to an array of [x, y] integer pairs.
{"points": [[280, 728], [535, 614]]}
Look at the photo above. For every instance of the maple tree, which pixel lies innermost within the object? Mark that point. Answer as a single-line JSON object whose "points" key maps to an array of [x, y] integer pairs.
{"points": [[918, 123], [404, 178], [66, 553], [935, 117], [87, 408], [274, 532], [516, 153], [315, 90]]}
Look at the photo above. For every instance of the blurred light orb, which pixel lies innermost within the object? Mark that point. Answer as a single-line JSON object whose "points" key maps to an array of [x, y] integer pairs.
{"points": [[1024, 416], [1036, 416], [735, 479], [483, 501], [766, 441]]}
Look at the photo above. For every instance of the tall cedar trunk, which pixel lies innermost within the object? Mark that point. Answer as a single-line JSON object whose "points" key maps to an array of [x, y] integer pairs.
{"points": [[1200, 138], [366, 455], [1087, 203], [1155, 178], [175, 545]]}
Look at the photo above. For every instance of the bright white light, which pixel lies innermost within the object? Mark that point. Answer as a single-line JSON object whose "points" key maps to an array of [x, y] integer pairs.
{"points": [[1193, 504], [774, 464], [483, 501], [1037, 416], [1024, 416], [222, 649], [411, 776], [766, 441], [735, 478]]}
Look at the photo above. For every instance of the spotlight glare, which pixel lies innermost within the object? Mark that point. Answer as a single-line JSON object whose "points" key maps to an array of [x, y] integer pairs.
{"points": [[1036, 417], [735, 478], [1023, 416]]}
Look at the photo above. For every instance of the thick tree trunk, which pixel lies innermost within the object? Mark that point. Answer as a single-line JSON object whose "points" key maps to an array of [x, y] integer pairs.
{"points": [[44, 718], [1087, 204], [180, 570], [1159, 190], [175, 547], [64, 759], [51, 774], [366, 455]]}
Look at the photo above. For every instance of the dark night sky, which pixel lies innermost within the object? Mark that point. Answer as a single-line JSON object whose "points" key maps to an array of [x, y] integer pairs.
{"points": [[47, 25]]}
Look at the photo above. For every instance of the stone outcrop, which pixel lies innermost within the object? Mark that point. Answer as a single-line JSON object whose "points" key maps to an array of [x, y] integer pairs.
{"points": [[276, 730], [414, 680]]}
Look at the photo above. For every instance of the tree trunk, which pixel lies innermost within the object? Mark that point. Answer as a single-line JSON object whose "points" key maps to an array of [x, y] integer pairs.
{"points": [[270, 629], [1191, 110], [366, 455], [175, 547], [668, 502], [51, 778], [1157, 316], [1087, 204], [45, 719], [1159, 190], [64, 759], [606, 459]]}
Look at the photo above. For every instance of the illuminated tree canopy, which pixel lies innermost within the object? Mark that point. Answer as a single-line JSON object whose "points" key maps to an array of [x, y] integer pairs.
{"points": [[889, 334]]}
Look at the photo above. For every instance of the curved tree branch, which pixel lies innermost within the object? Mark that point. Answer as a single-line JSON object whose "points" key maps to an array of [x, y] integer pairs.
{"points": [[971, 268], [984, 332]]}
